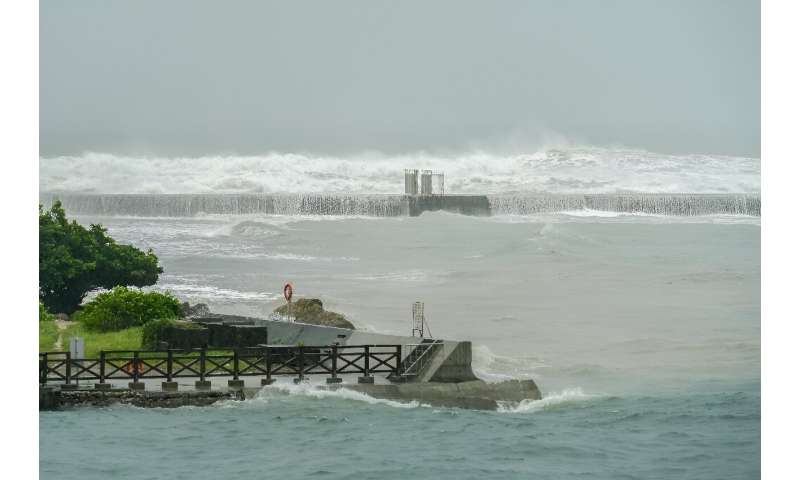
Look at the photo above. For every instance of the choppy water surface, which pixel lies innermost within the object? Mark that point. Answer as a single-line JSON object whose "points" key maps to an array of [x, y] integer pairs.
{"points": [[642, 332]]}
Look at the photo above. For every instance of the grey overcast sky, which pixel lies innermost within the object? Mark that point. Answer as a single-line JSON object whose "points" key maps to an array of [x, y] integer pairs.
{"points": [[246, 77]]}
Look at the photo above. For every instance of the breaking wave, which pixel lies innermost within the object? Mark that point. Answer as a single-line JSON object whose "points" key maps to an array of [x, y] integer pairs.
{"points": [[552, 401], [574, 169], [318, 391]]}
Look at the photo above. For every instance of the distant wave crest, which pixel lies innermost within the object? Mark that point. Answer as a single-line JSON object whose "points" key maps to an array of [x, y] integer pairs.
{"points": [[553, 170]]}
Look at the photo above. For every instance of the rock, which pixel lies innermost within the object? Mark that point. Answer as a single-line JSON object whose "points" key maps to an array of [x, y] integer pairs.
{"points": [[61, 316], [309, 310], [190, 311]]}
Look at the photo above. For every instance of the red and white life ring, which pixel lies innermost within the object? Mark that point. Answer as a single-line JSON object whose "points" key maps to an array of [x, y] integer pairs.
{"points": [[287, 292]]}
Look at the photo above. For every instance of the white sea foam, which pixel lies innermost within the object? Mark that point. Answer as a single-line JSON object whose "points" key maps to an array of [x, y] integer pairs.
{"points": [[318, 391], [574, 169], [564, 398], [492, 367]]}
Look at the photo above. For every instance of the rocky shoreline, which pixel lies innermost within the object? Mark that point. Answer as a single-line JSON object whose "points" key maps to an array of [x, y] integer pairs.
{"points": [[54, 398]]}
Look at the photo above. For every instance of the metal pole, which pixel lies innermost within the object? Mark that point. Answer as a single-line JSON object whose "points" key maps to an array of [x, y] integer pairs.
{"points": [[236, 364], [366, 360]]}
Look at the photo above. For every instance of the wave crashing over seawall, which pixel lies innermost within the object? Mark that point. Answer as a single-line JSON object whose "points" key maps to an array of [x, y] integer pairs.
{"points": [[190, 205]]}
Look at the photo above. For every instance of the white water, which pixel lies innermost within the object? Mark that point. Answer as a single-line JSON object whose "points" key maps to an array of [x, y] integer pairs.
{"points": [[573, 169]]}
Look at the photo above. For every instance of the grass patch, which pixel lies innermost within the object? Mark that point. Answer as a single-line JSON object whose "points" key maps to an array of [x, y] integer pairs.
{"points": [[93, 342], [48, 334]]}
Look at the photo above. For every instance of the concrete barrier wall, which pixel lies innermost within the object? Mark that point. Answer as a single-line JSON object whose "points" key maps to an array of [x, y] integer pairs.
{"points": [[476, 205]]}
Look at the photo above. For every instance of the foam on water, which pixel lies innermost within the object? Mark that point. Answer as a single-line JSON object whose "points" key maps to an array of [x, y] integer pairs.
{"points": [[551, 401], [320, 392], [565, 169]]}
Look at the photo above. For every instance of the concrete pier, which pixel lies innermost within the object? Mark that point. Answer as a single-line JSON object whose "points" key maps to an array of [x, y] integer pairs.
{"points": [[475, 205]]}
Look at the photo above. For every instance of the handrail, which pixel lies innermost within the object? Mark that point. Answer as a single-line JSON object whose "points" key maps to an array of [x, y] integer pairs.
{"points": [[421, 356], [267, 360]]}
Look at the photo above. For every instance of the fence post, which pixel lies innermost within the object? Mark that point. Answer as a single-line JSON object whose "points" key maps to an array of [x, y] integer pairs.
{"points": [[68, 377], [136, 384], [102, 385], [43, 370], [169, 365], [202, 384], [301, 362], [267, 367], [366, 378], [399, 353], [236, 364], [136, 367], [202, 364], [334, 378]]}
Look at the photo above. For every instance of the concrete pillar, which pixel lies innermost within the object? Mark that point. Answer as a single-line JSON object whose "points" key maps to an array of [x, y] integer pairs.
{"points": [[330, 380], [236, 384], [169, 386], [202, 385], [102, 386], [69, 386], [139, 386], [369, 380], [267, 381]]}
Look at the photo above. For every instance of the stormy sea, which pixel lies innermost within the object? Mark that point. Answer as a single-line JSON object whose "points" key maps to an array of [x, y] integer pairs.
{"points": [[624, 282]]}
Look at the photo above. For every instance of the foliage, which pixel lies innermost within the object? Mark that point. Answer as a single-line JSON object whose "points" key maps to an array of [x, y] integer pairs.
{"points": [[44, 315], [93, 342], [154, 331], [123, 308], [48, 335], [74, 260]]}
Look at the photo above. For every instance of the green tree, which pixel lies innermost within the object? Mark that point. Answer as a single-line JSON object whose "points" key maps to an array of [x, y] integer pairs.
{"points": [[74, 260]]}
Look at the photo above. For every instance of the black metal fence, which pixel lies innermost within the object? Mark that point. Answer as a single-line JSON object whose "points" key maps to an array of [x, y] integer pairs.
{"points": [[266, 361]]}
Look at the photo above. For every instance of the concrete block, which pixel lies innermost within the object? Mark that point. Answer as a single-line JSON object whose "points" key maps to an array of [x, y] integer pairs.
{"points": [[369, 380], [202, 385], [69, 386], [102, 386], [136, 385], [169, 386], [265, 381], [236, 384], [330, 380], [300, 380]]}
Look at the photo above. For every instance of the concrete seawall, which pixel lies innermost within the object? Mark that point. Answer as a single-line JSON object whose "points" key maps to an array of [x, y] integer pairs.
{"points": [[190, 205], [474, 205]]}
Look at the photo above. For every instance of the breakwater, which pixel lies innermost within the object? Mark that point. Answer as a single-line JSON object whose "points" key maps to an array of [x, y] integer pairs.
{"points": [[190, 205]]}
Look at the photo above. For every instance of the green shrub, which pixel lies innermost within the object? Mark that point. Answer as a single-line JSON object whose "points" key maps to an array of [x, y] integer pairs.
{"points": [[44, 315], [154, 331], [74, 260], [48, 335], [123, 308]]}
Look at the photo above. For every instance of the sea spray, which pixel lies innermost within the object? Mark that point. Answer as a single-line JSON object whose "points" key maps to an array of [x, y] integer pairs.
{"points": [[564, 399], [564, 170]]}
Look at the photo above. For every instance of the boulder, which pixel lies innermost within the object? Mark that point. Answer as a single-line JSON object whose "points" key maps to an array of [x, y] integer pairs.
{"points": [[191, 311], [309, 310]]}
